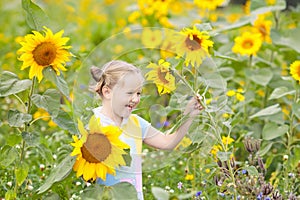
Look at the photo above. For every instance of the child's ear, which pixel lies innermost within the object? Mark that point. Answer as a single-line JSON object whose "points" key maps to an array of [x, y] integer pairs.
{"points": [[106, 92]]}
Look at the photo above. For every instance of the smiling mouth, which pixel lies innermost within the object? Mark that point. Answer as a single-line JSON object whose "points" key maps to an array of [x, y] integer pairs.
{"points": [[130, 106]]}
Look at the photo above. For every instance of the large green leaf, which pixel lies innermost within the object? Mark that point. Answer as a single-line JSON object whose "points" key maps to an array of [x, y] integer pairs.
{"points": [[260, 76], [10, 84], [267, 111], [21, 172], [17, 119], [36, 18], [160, 193], [290, 39], [50, 101], [272, 131], [8, 155], [59, 173], [296, 109], [280, 92], [123, 190], [59, 81], [259, 7], [251, 170], [64, 121]]}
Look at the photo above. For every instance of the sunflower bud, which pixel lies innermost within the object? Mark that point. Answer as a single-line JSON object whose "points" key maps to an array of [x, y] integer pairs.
{"points": [[252, 145], [267, 189], [276, 195], [261, 163]]}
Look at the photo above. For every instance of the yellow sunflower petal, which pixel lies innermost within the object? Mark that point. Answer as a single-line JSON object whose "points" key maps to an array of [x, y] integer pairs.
{"points": [[82, 131], [101, 171], [81, 167], [89, 170]]}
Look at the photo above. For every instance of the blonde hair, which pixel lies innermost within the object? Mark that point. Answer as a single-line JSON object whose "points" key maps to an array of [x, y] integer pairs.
{"points": [[111, 73]]}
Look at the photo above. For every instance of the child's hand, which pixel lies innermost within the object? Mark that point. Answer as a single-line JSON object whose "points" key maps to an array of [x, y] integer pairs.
{"points": [[193, 107]]}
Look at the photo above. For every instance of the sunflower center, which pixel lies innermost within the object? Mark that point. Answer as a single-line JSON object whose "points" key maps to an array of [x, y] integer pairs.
{"points": [[193, 44], [44, 54], [247, 44], [162, 76], [96, 148]]}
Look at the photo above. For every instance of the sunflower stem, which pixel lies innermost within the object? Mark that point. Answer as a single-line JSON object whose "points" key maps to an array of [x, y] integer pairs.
{"points": [[26, 126]]}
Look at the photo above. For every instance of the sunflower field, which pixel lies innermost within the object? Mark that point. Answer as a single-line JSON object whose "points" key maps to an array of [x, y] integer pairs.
{"points": [[240, 58]]}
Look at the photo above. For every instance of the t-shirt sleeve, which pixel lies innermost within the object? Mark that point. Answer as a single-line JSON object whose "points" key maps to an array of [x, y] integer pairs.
{"points": [[144, 126]]}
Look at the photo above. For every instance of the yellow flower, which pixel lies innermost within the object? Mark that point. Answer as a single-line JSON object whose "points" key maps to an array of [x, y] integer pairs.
{"points": [[227, 140], [151, 38], [295, 70], [98, 151], [260, 92], [185, 142], [240, 97], [263, 27], [39, 52], [270, 2], [41, 113], [189, 177], [230, 93], [208, 4], [194, 45], [161, 76], [247, 7], [247, 44], [214, 150]]}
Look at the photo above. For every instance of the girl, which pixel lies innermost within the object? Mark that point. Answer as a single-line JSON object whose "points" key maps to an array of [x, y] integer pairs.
{"points": [[119, 85]]}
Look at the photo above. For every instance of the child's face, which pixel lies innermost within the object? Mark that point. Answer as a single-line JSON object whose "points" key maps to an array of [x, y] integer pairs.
{"points": [[126, 95]]}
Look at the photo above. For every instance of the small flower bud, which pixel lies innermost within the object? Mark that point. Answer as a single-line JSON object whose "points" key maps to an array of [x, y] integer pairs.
{"points": [[261, 163], [276, 195], [267, 189], [285, 157]]}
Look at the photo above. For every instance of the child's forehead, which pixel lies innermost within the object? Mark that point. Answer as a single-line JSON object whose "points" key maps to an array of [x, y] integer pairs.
{"points": [[133, 81]]}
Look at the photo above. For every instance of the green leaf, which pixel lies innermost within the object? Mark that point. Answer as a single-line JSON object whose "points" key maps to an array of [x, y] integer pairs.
{"points": [[94, 191], [204, 27], [59, 81], [36, 18], [10, 84], [64, 121], [267, 111], [265, 150], [256, 7], [123, 190], [290, 39], [58, 174], [223, 156], [272, 131], [8, 155], [160, 193], [31, 138], [280, 92], [296, 109], [251, 170], [50, 101], [21, 172], [242, 22], [10, 195], [45, 152], [260, 76], [17, 119]]}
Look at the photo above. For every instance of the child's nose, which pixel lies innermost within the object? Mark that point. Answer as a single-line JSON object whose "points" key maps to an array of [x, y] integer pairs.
{"points": [[135, 98]]}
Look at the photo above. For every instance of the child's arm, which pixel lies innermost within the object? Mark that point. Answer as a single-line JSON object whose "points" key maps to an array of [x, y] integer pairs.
{"points": [[159, 140]]}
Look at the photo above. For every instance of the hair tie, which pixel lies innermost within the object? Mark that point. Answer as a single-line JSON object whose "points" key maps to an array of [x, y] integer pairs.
{"points": [[96, 73]]}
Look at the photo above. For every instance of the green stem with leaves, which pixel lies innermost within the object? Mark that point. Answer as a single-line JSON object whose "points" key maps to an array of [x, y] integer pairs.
{"points": [[26, 126]]}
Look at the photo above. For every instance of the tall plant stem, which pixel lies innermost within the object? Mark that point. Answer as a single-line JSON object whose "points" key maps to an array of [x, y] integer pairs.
{"points": [[26, 126]]}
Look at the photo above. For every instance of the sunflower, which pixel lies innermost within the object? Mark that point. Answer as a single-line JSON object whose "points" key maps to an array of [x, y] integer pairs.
{"points": [[161, 76], [247, 44], [295, 70], [263, 27], [42, 51], [151, 38], [98, 151], [194, 45], [208, 4]]}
